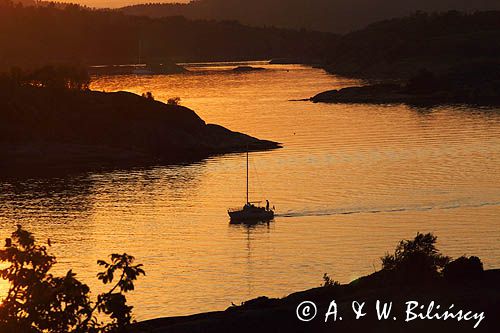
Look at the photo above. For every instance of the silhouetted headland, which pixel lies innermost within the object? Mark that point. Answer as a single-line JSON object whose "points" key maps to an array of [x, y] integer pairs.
{"points": [[476, 84], [50, 121], [265, 314]]}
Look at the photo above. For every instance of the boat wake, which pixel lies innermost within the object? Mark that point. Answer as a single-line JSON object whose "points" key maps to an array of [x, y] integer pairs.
{"points": [[330, 212]]}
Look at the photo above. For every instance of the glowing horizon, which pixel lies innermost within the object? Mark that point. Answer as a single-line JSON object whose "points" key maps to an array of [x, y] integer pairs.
{"points": [[118, 3]]}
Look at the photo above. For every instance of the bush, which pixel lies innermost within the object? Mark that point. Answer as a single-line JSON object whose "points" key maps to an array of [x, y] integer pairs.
{"points": [[328, 282], [174, 101], [148, 95], [38, 301], [463, 269], [416, 260]]}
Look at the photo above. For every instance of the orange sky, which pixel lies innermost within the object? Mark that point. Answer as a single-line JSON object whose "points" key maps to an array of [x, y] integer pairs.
{"points": [[116, 3]]}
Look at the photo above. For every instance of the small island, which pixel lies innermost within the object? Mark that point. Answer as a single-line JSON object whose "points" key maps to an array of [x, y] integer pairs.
{"points": [[245, 69]]}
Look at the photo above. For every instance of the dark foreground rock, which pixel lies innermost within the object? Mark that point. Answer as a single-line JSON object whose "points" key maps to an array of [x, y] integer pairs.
{"points": [[41, 130], [279, 315]]}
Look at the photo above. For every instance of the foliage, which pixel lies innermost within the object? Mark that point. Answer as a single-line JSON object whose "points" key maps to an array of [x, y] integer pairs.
{"points": [[321, 15], [463, 268], [37, 301], [328, 282], [416, 260], [174, 101], [60, 77], [148, 95]]}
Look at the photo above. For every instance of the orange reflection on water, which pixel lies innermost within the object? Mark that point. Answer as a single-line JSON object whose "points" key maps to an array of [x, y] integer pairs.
{"points": [[350, 182]]}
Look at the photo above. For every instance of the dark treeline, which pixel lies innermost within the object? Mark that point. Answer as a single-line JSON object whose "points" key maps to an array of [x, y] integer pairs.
{"points": [[59, 78], [441, 42], [339, 16], [50, 34]]}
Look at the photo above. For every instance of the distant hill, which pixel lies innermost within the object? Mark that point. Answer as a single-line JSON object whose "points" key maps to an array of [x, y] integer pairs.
{"points": [[437, 42], [50, 34], [26, 2], [337, 16]]}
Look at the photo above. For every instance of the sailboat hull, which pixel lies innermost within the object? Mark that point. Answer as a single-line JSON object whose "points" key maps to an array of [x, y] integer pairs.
{"points": [[257, 214]]}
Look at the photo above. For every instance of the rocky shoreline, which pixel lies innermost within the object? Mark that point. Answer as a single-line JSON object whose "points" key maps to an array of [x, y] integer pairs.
{"points": [[88, 130], [396, 94], [423, 89], [264, 314], [473, 85]]}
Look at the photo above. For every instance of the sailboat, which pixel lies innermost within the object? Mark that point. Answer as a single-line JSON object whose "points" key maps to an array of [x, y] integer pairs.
{"points": [[139, 69], [251, 211]]}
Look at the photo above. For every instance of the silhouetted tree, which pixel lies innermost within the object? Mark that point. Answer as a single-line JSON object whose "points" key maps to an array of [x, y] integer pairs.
{"points": [[463, 268], [416, 260], [59, 77], [328, 282], [174, 101], [148, 95], [37, 301]]}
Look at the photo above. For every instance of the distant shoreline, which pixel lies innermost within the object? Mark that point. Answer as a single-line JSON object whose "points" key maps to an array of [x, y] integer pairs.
{"points": [[396, 94]]}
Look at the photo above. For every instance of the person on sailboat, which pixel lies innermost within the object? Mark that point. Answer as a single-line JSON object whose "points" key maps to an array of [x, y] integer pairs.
{"points": [[267, 205]]}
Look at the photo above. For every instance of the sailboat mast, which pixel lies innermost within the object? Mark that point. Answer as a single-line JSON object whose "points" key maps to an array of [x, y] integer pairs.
{"points": [[140, 52], [247, 176]]}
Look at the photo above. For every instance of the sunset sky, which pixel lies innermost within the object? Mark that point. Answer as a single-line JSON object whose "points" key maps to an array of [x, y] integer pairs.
{"points": [[118, 3]]}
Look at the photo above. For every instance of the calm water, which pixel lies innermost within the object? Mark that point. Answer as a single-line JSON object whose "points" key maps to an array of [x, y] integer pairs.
{"points": [[350, 182]]}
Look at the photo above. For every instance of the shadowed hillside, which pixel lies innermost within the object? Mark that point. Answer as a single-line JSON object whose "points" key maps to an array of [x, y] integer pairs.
{"points": [[402, 47], [429, 59], [47, 34], [338, 16]]}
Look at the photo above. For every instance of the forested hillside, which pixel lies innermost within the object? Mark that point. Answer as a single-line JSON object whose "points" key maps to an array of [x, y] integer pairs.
{"points": [[465, 43], [339, 16], [46, 34]]}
